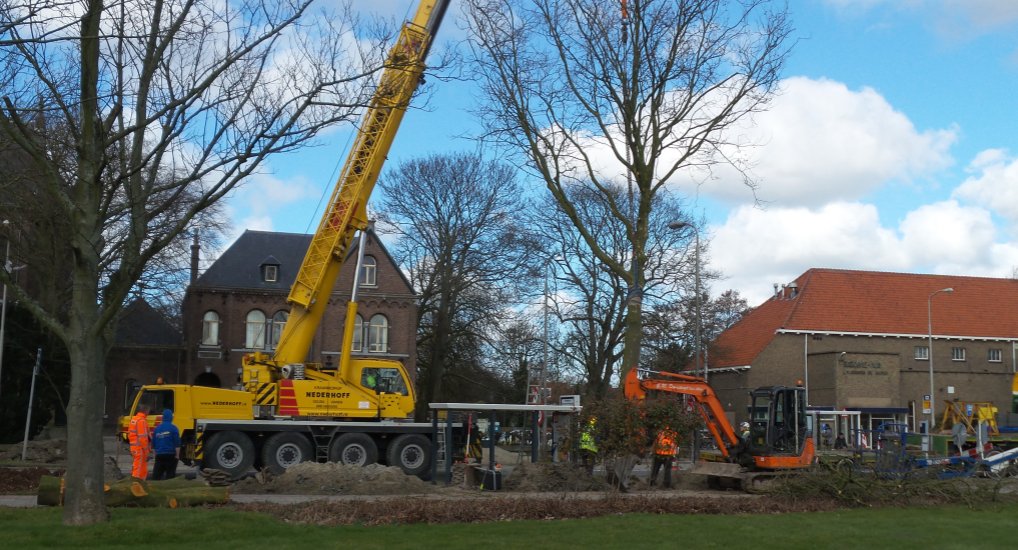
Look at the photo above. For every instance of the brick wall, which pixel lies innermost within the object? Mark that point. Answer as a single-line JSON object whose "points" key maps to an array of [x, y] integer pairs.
{"points": [[866, 372]]}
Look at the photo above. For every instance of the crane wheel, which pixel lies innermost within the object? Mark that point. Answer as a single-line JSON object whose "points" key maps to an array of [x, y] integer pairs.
{"points": [[286, 449], [230, 451], [354, 448], [412, 453]]}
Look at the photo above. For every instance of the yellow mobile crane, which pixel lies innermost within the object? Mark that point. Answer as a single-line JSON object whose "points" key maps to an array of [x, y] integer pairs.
{"points": [[291, 410]]}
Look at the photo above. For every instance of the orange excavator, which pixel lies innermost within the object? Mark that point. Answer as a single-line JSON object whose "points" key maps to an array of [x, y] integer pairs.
{"points": [[779, 436]]}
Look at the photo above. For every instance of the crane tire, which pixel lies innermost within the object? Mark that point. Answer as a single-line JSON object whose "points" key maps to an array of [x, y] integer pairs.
{"points": [[353, 448], [285, 449], [412, 453], [230, 451]]}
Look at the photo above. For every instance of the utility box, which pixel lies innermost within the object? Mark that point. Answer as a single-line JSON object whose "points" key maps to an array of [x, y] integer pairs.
{"points": [[482, 478], [572, 400]]}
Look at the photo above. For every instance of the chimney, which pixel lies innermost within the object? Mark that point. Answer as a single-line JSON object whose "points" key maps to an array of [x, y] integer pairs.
{"points": [[776, 285], [194, 257], [793, 290]]}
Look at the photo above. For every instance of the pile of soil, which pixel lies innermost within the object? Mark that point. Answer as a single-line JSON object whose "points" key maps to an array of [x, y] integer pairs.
{"points": [[46, 451], [20, 481], [309, 478], [552, 477]]}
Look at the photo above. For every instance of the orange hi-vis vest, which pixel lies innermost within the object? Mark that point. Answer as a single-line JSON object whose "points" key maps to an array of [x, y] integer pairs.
{"points": [[138, 433], [665, 444]]}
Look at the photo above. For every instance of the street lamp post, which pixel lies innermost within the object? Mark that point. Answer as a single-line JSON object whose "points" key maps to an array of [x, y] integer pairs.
{"points": [[696, 289], [929, 326]]}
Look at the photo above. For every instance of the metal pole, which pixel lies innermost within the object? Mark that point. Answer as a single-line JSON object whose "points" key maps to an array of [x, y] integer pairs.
{"points": [[541, 400], [699, 322], [929, 326], [31, 397], [3, 308]]}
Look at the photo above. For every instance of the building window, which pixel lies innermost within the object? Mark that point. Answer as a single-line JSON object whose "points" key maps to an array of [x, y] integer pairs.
{"points": [[270, 273], [922, 353], [368, 271], [255, 330], [994, 355], [210, 329], [278, 321], [957, 354], [358, 334], [378, 334], [131, 389]]}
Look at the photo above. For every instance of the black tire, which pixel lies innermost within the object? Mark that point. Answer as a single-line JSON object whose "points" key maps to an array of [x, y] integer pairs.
{"points": [[412, 453], [355, 448], [286, 449], [232, 452]]}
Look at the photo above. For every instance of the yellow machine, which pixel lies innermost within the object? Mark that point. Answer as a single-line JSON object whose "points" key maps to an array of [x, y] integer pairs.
{"points": [[292, 410], [971, 414]]}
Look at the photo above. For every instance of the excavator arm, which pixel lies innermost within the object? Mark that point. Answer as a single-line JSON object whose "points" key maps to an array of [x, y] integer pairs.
{"points": [[709, 406]]}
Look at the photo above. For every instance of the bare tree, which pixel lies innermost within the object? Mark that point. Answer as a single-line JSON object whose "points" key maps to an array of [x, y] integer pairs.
{"points": [[650, 87], [166, 106], [590, 299], [464, 244]]}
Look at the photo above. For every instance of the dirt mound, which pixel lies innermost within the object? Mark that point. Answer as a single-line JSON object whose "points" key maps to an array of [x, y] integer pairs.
{"points": [[45, 451], [15, 481], [552, 477], [310, 478]]}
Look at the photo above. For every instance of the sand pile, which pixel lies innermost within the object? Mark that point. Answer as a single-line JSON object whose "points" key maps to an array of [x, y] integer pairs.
{"points": [[552, 477], [310, 478]]}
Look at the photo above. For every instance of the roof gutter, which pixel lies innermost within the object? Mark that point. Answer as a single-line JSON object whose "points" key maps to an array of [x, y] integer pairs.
{"points": [[896, 335]]}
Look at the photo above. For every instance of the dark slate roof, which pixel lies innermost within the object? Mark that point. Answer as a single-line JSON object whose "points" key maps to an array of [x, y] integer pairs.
{"points": [[240, 265], [141, 325], [875, 303]]}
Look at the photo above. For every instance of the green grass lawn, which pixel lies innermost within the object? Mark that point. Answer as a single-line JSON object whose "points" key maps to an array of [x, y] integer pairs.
{"points": [[946, 527]]}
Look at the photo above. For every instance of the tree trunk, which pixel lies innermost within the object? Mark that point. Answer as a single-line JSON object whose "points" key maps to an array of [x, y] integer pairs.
{"points": [[632, 338], [83, 497], [170, 493]]}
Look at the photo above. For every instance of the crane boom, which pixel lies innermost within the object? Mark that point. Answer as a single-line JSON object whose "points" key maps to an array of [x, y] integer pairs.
{"points": [[347, 209]]}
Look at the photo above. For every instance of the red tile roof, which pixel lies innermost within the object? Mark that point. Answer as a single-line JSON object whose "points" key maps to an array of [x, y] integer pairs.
{"points": [[871, 302]]}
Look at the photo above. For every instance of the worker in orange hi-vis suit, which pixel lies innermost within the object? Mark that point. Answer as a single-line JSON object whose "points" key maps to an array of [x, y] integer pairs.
{"points": [[138, 436]]}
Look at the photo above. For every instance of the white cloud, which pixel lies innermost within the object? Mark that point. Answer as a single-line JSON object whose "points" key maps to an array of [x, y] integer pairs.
{"points": [[994, 183], [263, 197], [755, 248], [820, 142], [972, 17], [946, 237]]}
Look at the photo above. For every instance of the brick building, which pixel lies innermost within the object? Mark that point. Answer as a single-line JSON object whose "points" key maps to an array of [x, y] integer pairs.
{"points": [[238, 305], [147, 347], [860, 340]]}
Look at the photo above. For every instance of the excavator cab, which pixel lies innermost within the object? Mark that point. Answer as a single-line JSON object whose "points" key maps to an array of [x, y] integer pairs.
{"points": [[778, 425]]}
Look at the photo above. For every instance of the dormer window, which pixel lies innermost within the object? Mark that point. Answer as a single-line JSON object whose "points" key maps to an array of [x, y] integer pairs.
{"points": [[270, 270], [270, 273]]}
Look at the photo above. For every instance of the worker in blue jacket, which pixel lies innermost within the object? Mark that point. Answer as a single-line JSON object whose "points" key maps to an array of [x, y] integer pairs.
{"points": [[166, 444]]}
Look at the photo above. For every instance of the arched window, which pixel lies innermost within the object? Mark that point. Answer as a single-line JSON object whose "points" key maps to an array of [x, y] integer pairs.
{"points": [[358, 334], [255, 330], [378, 334], [278, 320], [368, 270], [210, 329]]}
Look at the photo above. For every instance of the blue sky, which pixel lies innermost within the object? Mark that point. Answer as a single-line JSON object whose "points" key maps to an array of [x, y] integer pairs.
{"points": [[893, 147]]}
